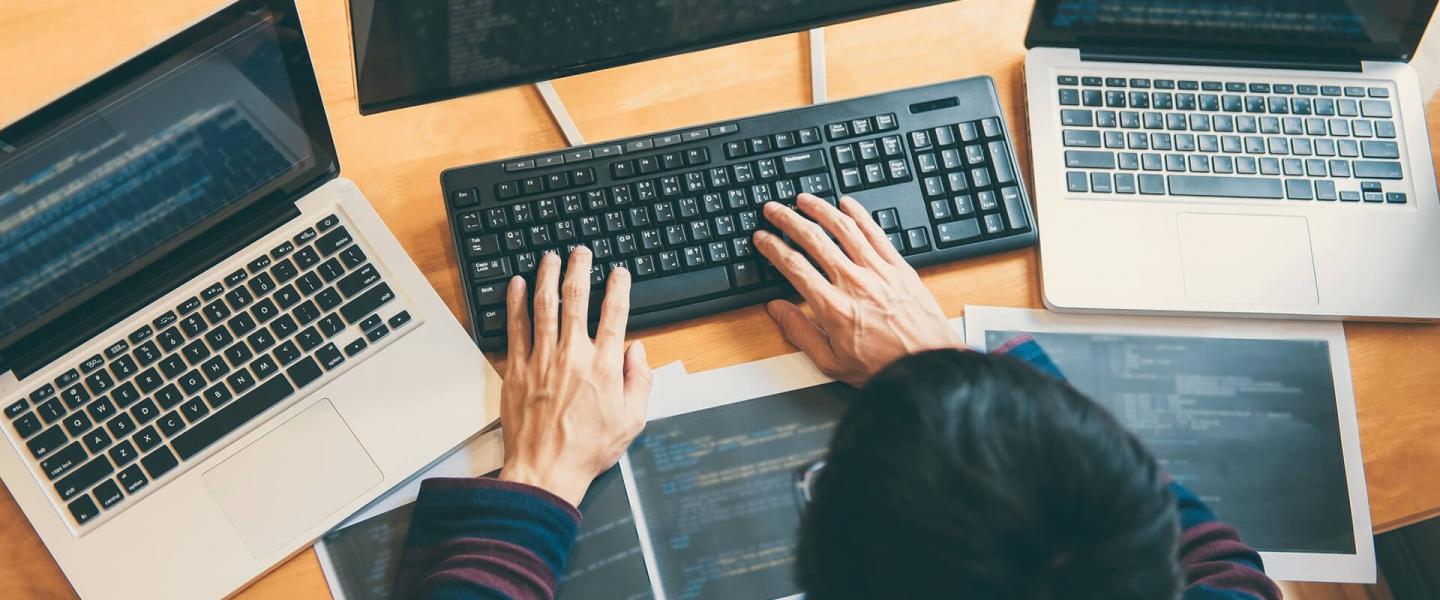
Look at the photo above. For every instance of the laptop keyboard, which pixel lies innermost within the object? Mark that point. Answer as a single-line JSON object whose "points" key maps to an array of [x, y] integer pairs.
{"points": [[124, 419], [1231, 139]]}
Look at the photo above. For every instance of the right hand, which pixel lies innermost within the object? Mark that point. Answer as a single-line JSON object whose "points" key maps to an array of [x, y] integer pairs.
{"points": [[871, 311]]}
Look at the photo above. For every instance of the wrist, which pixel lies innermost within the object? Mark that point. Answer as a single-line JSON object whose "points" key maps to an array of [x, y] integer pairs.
{"points": [[568, 486]]}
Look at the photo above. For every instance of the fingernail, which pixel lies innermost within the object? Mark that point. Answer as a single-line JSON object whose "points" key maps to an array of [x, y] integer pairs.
{"points": [[761, 234]]}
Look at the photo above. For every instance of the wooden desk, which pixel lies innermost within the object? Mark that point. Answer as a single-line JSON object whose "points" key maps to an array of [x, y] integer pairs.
{"points": [[46, 48]]}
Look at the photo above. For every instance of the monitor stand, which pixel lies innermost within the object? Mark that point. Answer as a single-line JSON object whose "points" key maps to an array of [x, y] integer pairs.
{"points": [[573, 137]]}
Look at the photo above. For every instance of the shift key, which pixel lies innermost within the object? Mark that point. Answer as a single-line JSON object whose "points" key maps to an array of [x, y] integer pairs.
{"points": [[365, 304], [1086, 159]]}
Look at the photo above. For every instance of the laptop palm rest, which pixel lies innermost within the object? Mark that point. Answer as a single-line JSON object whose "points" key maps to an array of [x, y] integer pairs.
{"points": [[1247, 259], [279, 486]]}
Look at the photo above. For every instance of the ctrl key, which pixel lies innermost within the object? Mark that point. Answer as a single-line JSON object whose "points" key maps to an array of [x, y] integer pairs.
{"points": [[108, 494], [492, 321], [84, 509]]}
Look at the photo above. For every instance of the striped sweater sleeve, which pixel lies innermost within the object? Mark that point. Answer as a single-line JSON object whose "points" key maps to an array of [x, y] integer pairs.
{"points": [[485, 539], [1217, 565]]}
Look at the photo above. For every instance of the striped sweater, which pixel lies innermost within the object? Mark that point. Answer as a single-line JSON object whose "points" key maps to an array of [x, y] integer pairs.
{"points": [[494, 540]]}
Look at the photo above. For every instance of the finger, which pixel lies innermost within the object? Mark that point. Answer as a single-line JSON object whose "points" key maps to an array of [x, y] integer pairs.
{"points": [[575, 296], [638, 379], [810, 237], [803, 333], [792, 264], [547, 305], [518, 307], [871, 230], [614, 313], [843, 227]]}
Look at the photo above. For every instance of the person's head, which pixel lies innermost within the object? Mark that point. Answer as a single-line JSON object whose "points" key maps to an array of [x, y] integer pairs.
{"points": [[972, 476]]}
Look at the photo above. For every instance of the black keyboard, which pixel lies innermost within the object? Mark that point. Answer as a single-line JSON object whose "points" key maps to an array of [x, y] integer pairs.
{"points": [[1249, 140], [933, 164], [124, 419]]}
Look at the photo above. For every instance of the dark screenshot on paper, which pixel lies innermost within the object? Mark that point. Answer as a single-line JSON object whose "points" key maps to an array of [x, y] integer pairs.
{"points": [[718, 491], [1250, 426], [606, 561]]}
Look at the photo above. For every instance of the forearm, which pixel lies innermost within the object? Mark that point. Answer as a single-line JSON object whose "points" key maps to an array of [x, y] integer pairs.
{"points": [[485, 538], [1216, 563]]}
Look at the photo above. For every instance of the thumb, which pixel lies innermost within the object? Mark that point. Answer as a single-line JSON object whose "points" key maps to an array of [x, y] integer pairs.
{"points": [[804, 334], [638, 378]]}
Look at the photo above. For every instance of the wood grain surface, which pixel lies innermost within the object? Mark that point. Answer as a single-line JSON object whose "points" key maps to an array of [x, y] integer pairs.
{"points": [[49, 47]]}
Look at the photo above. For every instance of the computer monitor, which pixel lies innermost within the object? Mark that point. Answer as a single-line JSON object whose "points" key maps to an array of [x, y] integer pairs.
{"points": [[408, 52]]}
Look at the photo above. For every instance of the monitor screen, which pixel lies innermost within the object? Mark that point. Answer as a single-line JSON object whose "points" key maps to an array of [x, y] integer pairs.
{"points": [[104, 181], [413, 51], [1347, 29]]}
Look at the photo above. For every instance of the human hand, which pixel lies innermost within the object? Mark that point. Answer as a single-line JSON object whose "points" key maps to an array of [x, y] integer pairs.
{"points": [[570, 406], [871, 310]]}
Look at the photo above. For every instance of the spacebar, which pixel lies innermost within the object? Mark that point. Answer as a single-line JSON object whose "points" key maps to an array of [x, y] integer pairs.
{"points": [[230, 418], [655, 294], [1226, 187]]}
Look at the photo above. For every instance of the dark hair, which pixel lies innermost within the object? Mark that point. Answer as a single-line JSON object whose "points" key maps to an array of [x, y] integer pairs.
{"points": [[971, 476]]}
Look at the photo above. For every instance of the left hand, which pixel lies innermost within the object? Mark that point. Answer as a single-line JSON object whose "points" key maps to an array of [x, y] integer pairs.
{"points": [[570, 405]]}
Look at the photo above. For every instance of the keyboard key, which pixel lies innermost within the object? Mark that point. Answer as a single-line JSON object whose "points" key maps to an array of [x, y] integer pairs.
{"points": [[689, 287], [171, 423], [27, 424], [82, 478], [147, 439], [108, 494], [367, 303], [132, 479], [1226, 187], [1369, 169], [1081, 159], [83, 509], [329, 356], [46, 442], [123, 453], [159, 462], [61, 462]]}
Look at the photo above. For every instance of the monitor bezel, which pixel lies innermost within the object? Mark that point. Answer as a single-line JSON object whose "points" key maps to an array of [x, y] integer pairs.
{"points": [[207, 33], [378, 106]]}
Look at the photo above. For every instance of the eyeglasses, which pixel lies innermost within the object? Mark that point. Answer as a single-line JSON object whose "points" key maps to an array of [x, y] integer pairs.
{"points": [[805, 480]]}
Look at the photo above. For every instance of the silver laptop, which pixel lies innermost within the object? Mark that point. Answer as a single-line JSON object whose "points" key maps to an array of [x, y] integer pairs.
{"points": [[213, 349], [1265, 157]]}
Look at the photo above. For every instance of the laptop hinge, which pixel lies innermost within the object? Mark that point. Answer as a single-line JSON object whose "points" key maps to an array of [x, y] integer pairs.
{"points": [[39, 348], [1306, 62]]}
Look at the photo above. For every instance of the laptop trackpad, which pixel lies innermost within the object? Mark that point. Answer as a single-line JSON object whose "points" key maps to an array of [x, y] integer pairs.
{"points": [[1248, 259], [284, 483]]}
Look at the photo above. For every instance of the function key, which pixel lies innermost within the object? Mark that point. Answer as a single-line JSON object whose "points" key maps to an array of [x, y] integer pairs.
{"points": [[259, 264], [1379, 92], [736, 149], [1259, 88], [141, 334], [519, 165], [1355, 92], [811, 135], [1307, 90], [639, 145], [1067, 80], [189, 306], [83, 509], [1212, 86], [886, 122], [696, 135], [1090, 81], [584, 176], [1189, 85], [697, 156], [532, 185], [282, 250], [668, 140], [305, 236], [1283, 88], [214, 291], [609, 151], [164, 320], [557, 181], [550, 161], [116, 349], [784, 140], [67, 378], [1140, 83], [1330, 90], [327, 222], [45, 391], [1114, 82], [1234, 86], [506, 190], [1164, 84], [18, 407], [231, 280], [465, 197], [759, 145]]}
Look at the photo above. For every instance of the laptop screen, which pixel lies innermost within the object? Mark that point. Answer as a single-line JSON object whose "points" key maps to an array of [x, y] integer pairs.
{"points": [[102, 182], [1348, 29], [413, 51]]}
